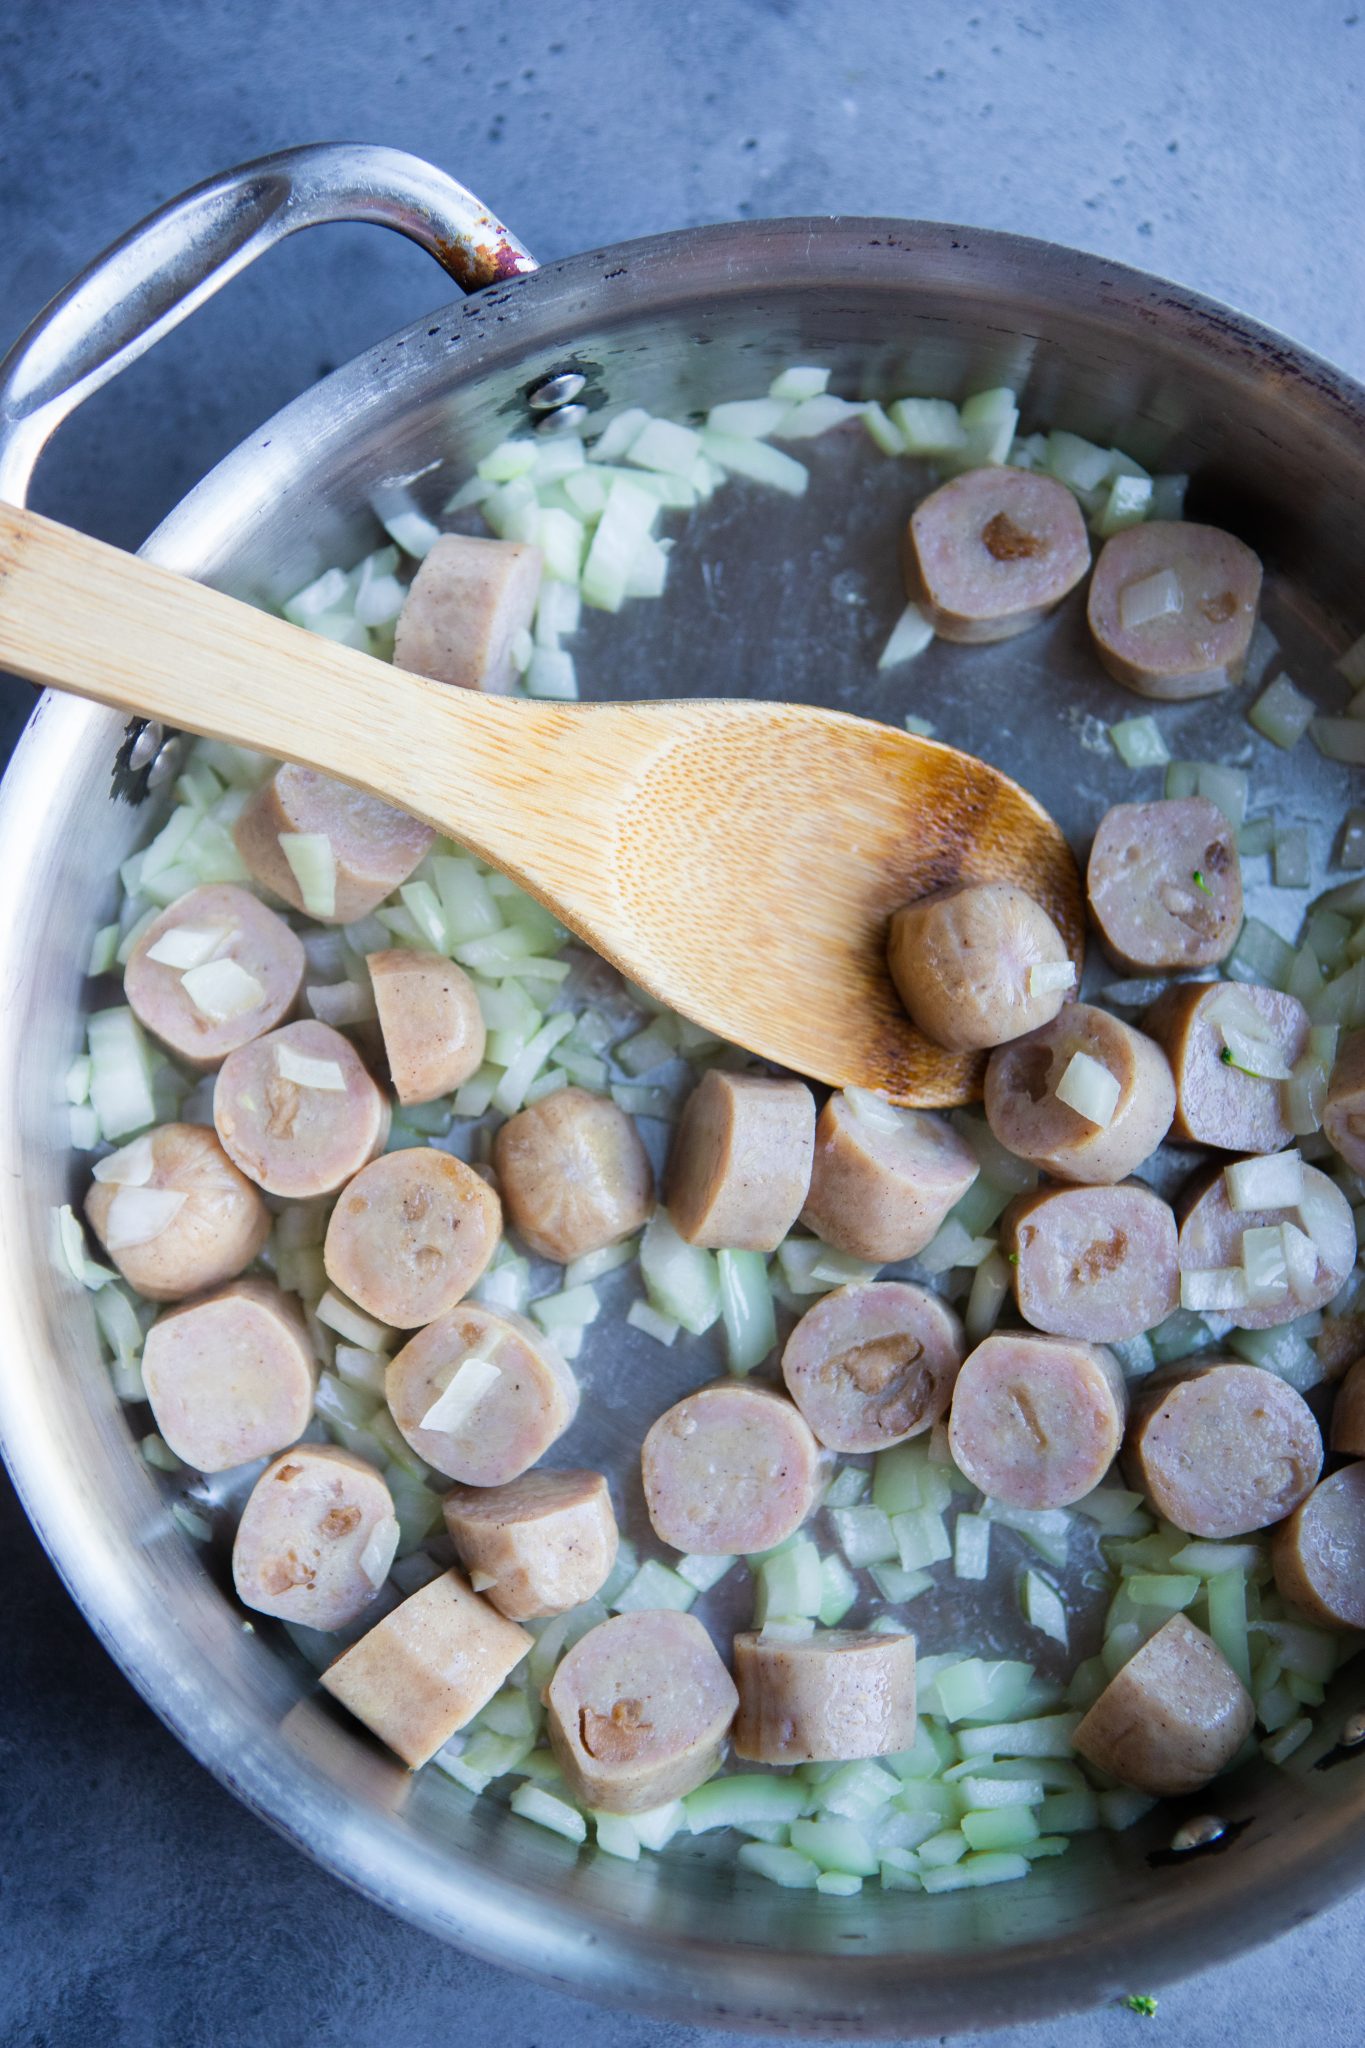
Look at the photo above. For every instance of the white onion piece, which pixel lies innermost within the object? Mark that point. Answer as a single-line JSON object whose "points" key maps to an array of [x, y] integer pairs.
{"points": [[314, 866], [873, 1109], [1152, 597], [185, 946], [1265, 1265], [474, 1378], [309, 1073], [481, 1581], [222, 989], [377, 1556], [1259, 1058], [1301, 1261], [1045, 976], [1216, 1287], [1090, 1089], [138, 1214], [130, 1166], [1272, 1182]]}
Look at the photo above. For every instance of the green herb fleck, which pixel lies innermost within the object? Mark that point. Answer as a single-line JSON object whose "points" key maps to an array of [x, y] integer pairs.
{"points": [[1200, 883], [1013, 1258], [1141, 2002]]}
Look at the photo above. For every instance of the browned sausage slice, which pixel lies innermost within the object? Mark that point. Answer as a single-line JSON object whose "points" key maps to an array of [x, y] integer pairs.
{"points": [[1036, 1421], [573, 1174], [539, 1545], [216, 1228], [1165, 884], [1098, 1263], [1217, 1102], [411, 1234], [964, 960], [990, 553], [427, 1668], [1172, 1718], [230, 1377], [639, 1711], [433, 1029], [316, 1538], [1319, 1553], [840, 1695], [731, 1468], [485, 1430], [741, 1161], [464, 608], [203, 1017], [1211, 1234], [298, 1111], [1028, 1115], [873, 1364], [1172, 607], [1348, 1413], [374, 847], [883, 1179], [1223, 1449], [1343, 1116]]}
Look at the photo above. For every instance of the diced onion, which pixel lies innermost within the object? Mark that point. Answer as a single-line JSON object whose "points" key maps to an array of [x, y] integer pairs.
{"points": [[757, 461], [183, 946], [1138, 743], [665, 446], [313, 862], [1258, 1057], [1273, 1181], [1214, 1287], [1340, 739], [910, 635], [472, 1381], [1076, 462], [663, 1329], [481, 1581], [815, 416], [1292, 866], [1282, 713], [1152, 597], [754, 418], [352, 1323], [873, 1109], [1044, 1608], [1090, 1089], [222, 989], [377, 1556], [309, 1073], [1045, 976], [138, 1214], [129, 1167], [1265, 1266], [799, 383], [1301, 1261]]}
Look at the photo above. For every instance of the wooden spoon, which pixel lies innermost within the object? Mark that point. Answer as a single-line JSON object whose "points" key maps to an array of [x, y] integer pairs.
{"points": [[739, 860]]}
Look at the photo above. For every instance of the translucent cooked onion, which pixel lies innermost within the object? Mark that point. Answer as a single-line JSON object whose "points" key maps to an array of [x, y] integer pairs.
{"points": [[1090, 1089], [222, 989], [138, 1214], [185, 946], [309, 1073], [472, 1381], [1157, 596]]}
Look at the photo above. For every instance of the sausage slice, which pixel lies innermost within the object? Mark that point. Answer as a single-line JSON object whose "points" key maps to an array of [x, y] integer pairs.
{"points": [[374, 846], [427, 1668], [1348, 1413], [429, 1016], [1026, 1114], [741, 1161], [1165, 884], [1211, 585], [230, 1377], [962, 959], [731, 1468], [515, 1418], [1223, 1449], [1217, 1103], [1098, 1263], [841, 1694], [639, 1711], [882, 1183], [1211, 1234], [294, 1137], [1343, 1115], [1036, 1421], [573, 1174], [547, 1541], [1172, 1718], [316, 1538], [219, 1227], [989, 554], [464, 608], [215, 923], [411, 1234], [1319, 1553], [873, 1364]]}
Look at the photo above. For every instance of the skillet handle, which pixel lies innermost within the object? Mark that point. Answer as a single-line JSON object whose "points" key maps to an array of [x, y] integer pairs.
{"points": [[161, 270]]}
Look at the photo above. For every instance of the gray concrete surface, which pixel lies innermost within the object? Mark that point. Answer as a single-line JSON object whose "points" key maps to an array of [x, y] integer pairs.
{"points": [[1219, 143]]}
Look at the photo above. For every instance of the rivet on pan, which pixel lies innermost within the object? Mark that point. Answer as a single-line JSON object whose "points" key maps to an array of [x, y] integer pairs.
{"points": [[1198, 1833], [166, 764], [146, 746], [563, 420], [1352, 1731], [556, 391]]}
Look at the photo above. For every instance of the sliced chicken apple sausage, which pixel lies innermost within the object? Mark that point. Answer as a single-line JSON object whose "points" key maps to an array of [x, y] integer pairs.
{"points": [[989, 554], [213, 972], [1121, 1079], [639, 1710], [427, 1668], [298, 1111], [1223, 1449], [230, 1377], [883, 1179], [843, 1694], [316, 1538], [1165, 884], [1172, 606], [731, 1468], [411, 1234], [1172, 1718], [174, 1214], [373, 847], [1036, 1422], [1098, 1263], [464, 608], [1319, 1553], [573, 1174], [433, 1030], [741, 1161], [480, 1394], [873, 1364], [1264, 1266], [539, 1545], [978, 964], [1343, 1116], [1347, 1433], [1214, 1034]]}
